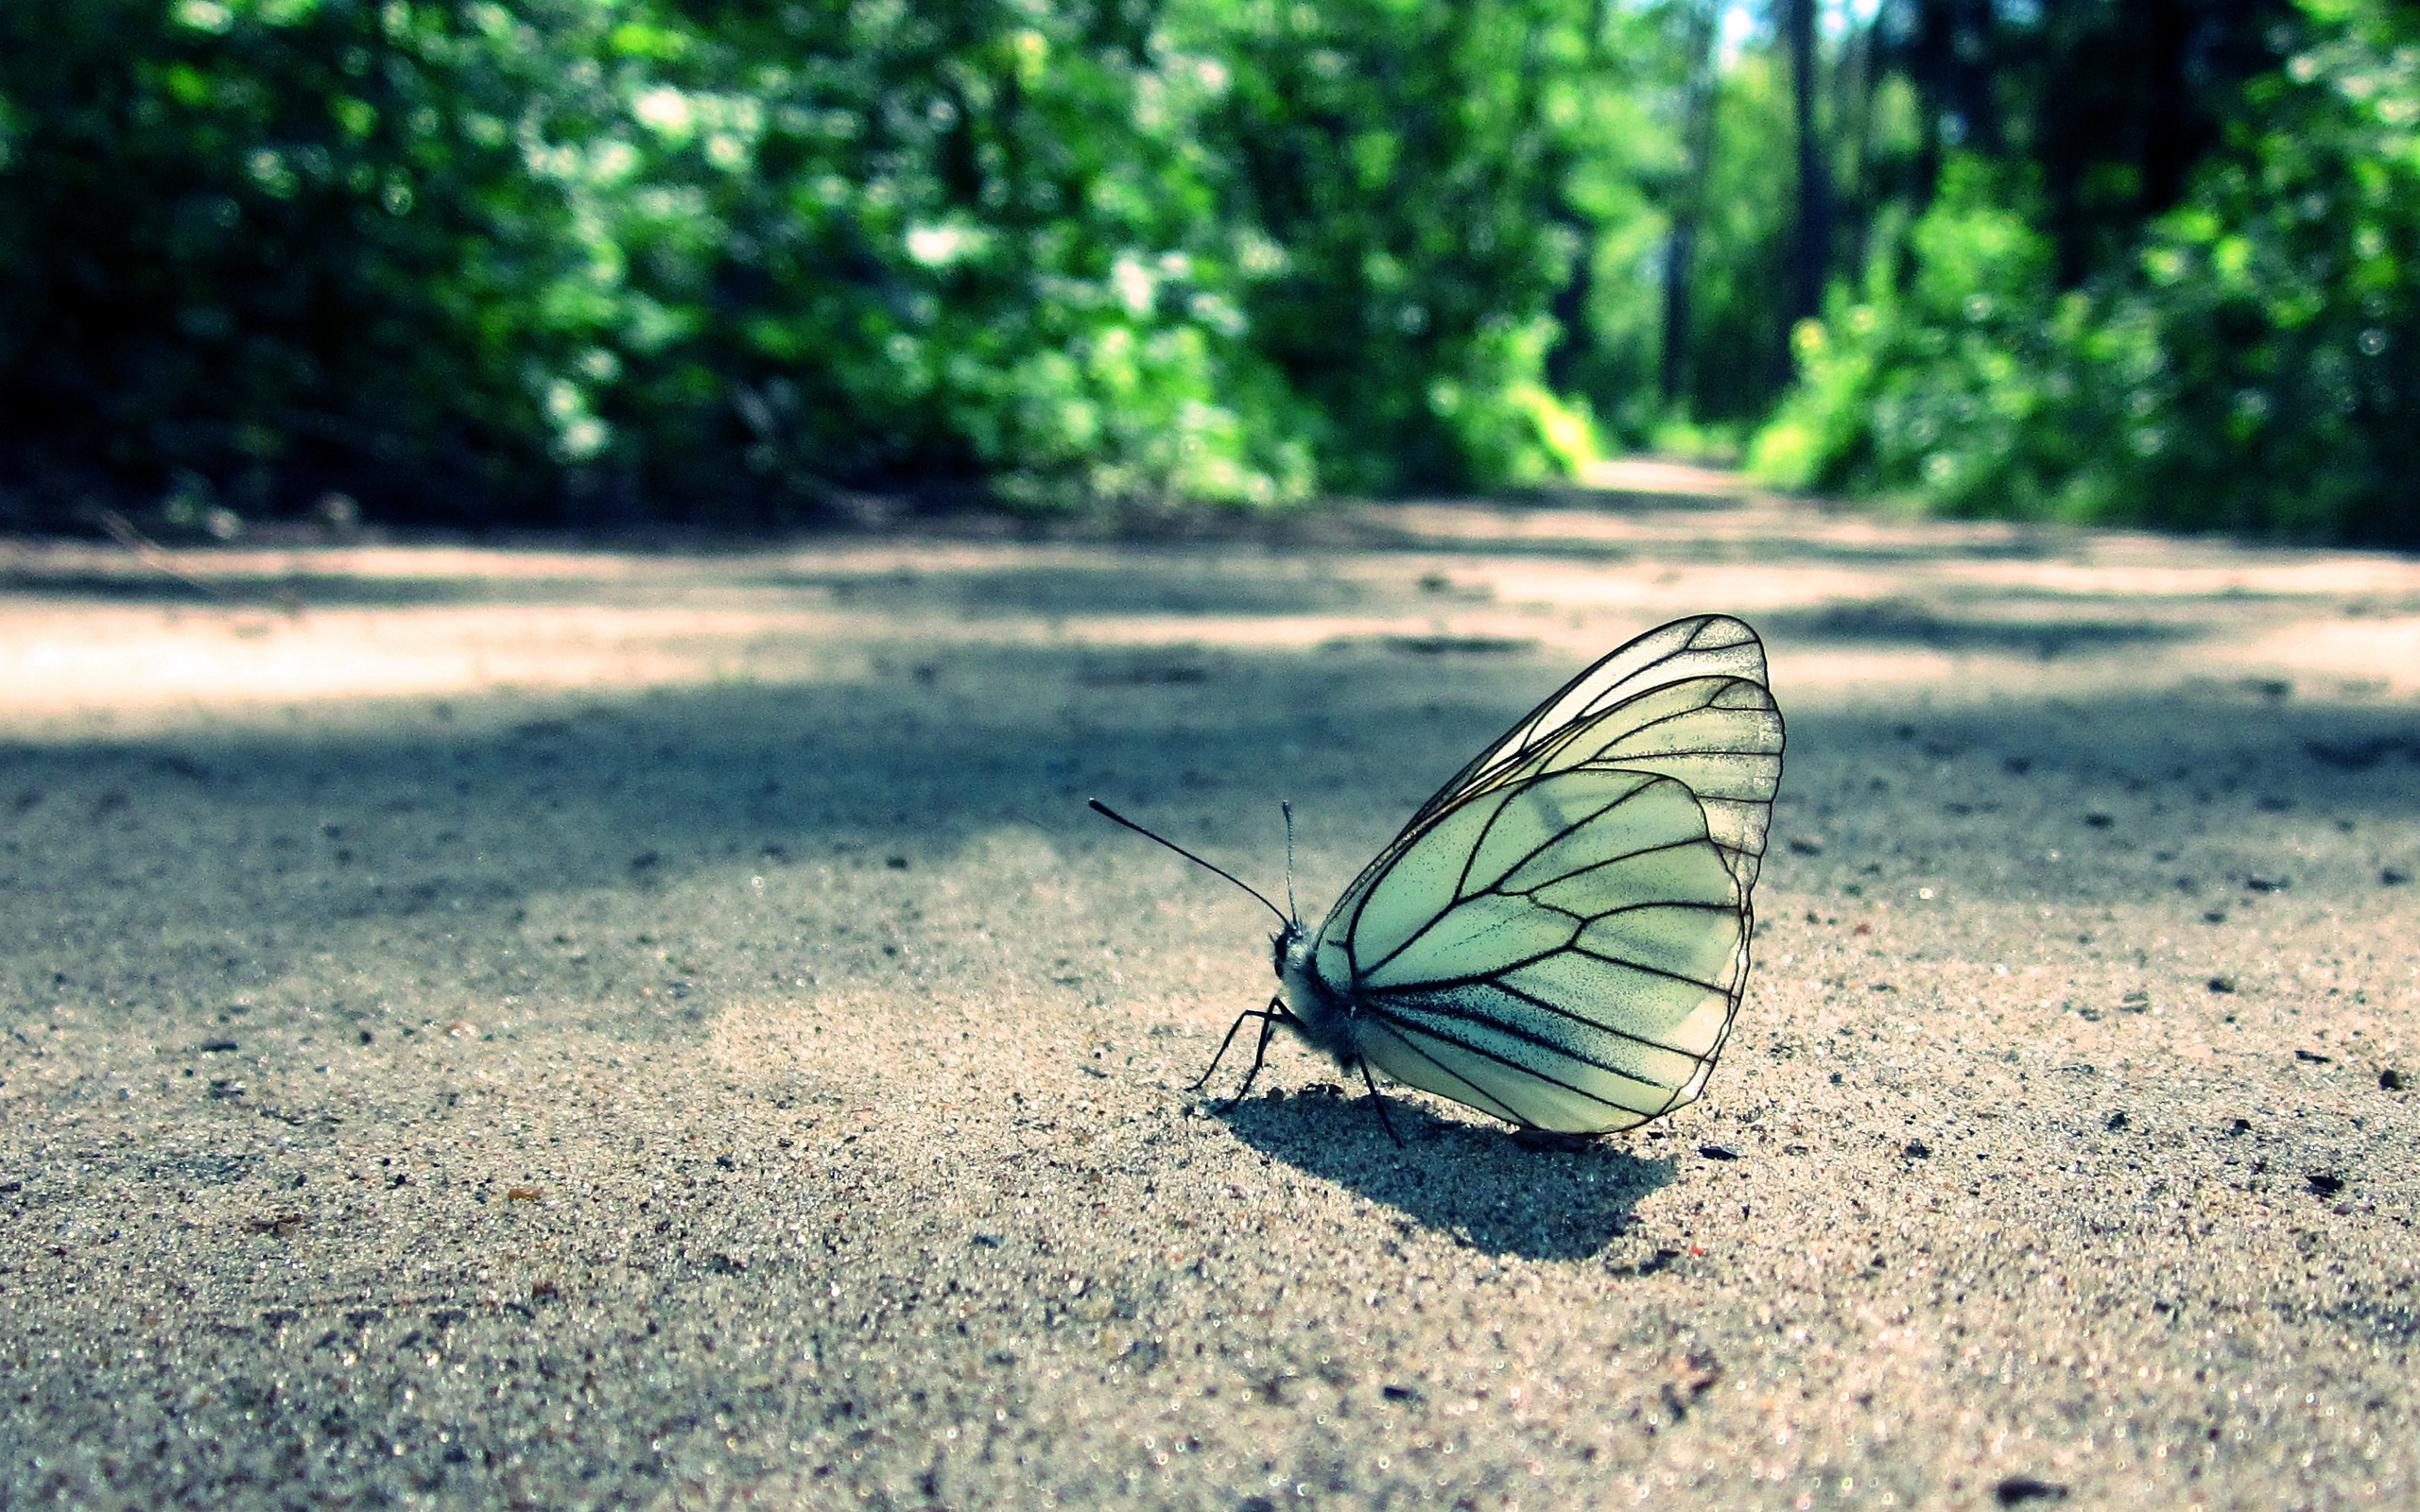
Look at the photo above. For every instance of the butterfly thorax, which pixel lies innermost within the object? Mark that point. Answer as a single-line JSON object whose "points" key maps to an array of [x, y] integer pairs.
{"points": [[1319, 1013]]}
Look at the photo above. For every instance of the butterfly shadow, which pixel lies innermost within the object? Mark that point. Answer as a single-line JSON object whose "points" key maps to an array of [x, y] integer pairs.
{"points": [[1495, 1191]]}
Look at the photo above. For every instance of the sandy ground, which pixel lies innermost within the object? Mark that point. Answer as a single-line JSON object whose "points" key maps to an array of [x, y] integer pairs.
{"points": [[559, 1029]]}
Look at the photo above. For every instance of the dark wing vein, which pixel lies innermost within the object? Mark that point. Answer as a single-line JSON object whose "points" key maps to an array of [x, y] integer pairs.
{"points": [[1353, 929], [1631, 908], [1481, 1098], [1493, 974], [1443, 984], [1640, 967], [1402, 1023], [1471, 858], [1562, 877], [1544, 846], [1690, 712], [1536, 1001], [1528, 737]]}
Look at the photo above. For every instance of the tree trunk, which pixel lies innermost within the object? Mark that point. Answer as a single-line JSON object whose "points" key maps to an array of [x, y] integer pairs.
{"points": [[1572, 302], [2167, 129], [1680, 246], [1812, 256], [1850, 119], [1952, 61]]}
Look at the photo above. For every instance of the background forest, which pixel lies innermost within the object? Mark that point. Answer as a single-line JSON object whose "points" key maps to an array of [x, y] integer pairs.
{"points": [[572, 260]]}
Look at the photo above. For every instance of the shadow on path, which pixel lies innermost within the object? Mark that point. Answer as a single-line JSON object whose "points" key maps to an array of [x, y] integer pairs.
{"points": [[1901, 623], [1477, 1183], [251, 846]]}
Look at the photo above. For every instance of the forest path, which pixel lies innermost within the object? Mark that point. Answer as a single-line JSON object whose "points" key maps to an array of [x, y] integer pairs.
{"points": [[554, 1026]]}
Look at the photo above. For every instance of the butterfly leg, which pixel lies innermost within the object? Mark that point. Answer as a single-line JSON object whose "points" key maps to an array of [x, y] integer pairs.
{"points": [[1269, 1017], [1204, 1080], [1380, 1104]]}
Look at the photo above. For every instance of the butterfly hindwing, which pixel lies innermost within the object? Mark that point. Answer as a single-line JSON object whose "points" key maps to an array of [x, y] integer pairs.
{"points": [[1576, 936]]}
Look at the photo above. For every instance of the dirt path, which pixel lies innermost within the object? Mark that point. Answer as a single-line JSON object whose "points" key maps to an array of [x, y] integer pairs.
{"points": [[559, 1028]]}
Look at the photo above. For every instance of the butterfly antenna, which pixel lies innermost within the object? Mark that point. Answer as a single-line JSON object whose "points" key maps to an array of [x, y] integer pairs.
{"points": [[1106, 811], [1292, 913]]}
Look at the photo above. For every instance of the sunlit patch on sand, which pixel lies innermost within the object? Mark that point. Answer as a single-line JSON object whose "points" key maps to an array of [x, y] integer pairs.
{"points": [[89, 638]]}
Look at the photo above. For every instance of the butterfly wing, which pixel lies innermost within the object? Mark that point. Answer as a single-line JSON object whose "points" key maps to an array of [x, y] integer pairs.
{"points": [[1712, 724], [1560, 938]]}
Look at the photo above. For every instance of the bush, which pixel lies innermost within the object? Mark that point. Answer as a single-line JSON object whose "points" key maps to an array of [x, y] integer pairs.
{"points": [[574, 258], [2253, 368], [271, 246]]}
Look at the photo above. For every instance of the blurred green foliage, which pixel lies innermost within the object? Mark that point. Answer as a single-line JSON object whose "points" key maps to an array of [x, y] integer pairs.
{"points": [[595, 258], [739, 260], [2246, 361], [242, 240]]}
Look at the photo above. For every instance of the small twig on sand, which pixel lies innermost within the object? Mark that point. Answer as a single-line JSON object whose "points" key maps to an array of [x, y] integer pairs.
{"points": [[151, 553], [154, 556]]}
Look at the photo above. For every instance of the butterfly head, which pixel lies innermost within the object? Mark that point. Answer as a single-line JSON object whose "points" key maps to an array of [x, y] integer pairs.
{"points": [[1286, 941]]}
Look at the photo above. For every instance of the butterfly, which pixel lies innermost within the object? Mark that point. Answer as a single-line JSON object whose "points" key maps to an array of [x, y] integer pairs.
{"points": [[1560, 938]]}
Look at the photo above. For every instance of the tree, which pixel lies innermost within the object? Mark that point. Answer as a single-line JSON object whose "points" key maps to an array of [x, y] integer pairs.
{"points": [[1700, 32], [1812, 240]]}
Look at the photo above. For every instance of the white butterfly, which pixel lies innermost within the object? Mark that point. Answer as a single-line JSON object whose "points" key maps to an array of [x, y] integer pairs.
{"points": [[1560, 937]]}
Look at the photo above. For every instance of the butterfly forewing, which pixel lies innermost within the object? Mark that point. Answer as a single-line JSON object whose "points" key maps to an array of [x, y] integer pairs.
{"points": [[1720, 736], [1618, 846], [1560, 938], [1705, 646]]}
